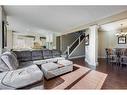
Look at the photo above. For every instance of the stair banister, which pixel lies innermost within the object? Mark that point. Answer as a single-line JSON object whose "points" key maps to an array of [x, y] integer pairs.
{"points": [[79, 39], [68, 47], [75, 41], [71, 44]]}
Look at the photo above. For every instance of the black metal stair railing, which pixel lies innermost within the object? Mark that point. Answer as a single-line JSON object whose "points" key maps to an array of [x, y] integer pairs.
{"points": [[75, 44]]}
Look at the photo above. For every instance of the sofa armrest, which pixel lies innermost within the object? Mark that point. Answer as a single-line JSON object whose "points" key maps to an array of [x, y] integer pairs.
{"points": [[2, 84], [22, 77]]}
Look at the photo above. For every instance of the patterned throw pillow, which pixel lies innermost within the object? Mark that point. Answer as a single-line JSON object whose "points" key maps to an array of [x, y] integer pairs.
{"points": [[10, 60], [3, 66]]}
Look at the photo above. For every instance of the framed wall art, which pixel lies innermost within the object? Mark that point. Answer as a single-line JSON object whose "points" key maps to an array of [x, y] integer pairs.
{"points": [[122, 40]]}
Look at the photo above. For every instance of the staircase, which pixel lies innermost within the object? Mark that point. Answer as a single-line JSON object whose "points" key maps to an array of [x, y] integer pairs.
{"points": [[71, 48]]}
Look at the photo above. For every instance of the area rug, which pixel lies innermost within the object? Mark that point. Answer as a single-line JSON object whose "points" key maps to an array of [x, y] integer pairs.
{"points": [[83, 78], [93, 80], [80, 78], [52, 83], [72, 77]]}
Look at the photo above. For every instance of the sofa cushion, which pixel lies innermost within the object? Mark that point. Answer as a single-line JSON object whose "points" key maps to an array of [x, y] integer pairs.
{"points": [[25, 64], [37, 55], [3, 66], [10, 60], [49, 66], [47, 54], [28, 63], [39, 62], [65, 62], [14, 58], [56, 53], [23, 56]]}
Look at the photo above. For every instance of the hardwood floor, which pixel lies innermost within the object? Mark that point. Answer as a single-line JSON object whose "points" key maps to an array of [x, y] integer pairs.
{"points": [[116, 79], [117, 76]]}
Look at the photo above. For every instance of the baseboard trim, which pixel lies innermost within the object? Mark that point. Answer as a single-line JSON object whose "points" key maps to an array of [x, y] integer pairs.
{"points": [[96, 63], [87, 61], [76, 57], [101, 57]]}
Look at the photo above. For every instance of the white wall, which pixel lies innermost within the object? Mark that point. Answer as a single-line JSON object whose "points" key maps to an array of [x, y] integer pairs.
{"points": [[54, 41], [108, 39], [51, 41], [9, 39], [0, 29], [91, 51]]}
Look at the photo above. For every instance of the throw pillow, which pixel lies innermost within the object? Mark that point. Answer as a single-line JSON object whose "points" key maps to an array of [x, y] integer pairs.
{"points": [[10, 60]]}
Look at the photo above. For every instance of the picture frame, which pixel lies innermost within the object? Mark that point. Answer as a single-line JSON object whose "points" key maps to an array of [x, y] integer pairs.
{"points": [[87, 39], [122, 40]]}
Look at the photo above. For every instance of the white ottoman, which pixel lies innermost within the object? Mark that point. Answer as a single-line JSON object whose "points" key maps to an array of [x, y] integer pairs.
{"points": [[54, 59], [39, 62], [65, 62], [51, 69]]}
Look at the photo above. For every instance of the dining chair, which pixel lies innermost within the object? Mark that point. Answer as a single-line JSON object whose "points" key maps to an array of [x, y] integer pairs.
{"points": [[113, 57], [123, 57]]}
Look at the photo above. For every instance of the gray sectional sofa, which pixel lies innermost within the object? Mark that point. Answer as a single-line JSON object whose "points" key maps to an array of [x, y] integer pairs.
{"points": [[33, 55], [13, 76], [37, 57], [19, 68]]}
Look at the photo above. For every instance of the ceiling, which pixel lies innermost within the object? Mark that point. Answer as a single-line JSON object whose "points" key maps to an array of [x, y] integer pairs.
{"points": [[56, 18], [115, 26]]}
